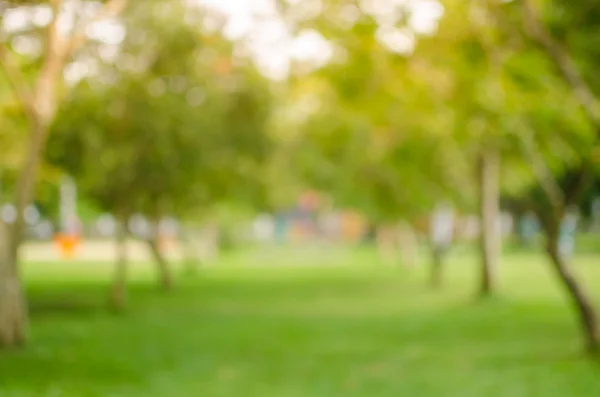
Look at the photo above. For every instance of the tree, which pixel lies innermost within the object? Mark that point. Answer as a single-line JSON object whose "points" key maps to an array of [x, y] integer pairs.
{"points": [[39, 97], [178, 134], [377, 139], [460, 50], [559, 203], [541, 69]]}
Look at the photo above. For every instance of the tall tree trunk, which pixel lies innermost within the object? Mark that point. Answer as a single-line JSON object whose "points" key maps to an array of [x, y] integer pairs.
{"points": [[165, 279], [14, 319], [13, 305], [118, 293], [40, 108], [489, 214], [436, 276], [581, 301]]}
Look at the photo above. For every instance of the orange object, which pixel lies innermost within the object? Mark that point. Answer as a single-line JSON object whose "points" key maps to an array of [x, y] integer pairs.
{"points": [[67, 244]]}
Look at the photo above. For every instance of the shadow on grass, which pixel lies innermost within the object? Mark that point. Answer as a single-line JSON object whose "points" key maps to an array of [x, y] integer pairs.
{"points": [[81, 299], [66, 305]]}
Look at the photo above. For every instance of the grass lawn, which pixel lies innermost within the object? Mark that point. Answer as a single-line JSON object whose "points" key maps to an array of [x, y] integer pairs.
{"points": [[260, 325]]}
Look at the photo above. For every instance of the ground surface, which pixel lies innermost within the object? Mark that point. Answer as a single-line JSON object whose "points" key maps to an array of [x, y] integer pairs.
{"points": [[349, 328]]}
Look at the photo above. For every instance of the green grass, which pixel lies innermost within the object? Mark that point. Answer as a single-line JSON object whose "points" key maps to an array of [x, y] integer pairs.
{"points": [[248, 328]]}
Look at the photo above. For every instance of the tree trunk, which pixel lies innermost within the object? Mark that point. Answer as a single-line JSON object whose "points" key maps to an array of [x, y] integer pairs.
{"points": [[118, 293], [580, 299], [165, 279], [436, 275], [13, 305], [14, 318], [489, 214]]}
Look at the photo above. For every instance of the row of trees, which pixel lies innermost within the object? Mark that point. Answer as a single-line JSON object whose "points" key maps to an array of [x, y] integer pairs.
{"points": [[163, 122], [498, 100], [488, 99]]}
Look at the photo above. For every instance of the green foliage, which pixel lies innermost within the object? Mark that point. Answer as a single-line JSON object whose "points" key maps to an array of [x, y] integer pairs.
{"points": [[175, 137], [184, 124], [380, 139], [394, 132]]}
